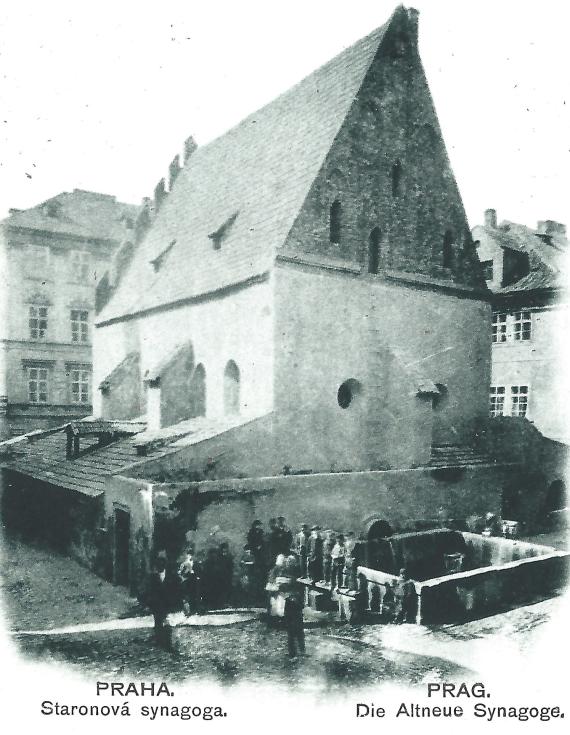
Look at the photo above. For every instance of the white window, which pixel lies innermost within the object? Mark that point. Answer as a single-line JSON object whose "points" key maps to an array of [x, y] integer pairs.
{"points": [[497, 400], [38, 322], [519, 400], [521, 325], [80, 265], [38, 384], [79, 385], [37, 260], [79, 325], [499, 327]]}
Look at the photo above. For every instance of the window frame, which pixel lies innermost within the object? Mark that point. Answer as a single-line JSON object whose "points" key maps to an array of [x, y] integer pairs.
{"points": [[37, 332], [522, 325], [80, 262], [81, 396], [519, 396], [496, 406], [38, 375], [79, 326]]}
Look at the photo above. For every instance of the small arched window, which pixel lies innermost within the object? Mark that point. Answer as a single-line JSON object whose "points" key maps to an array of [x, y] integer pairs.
{"points": [[374, 250], [396, 179], [335, 222], [231, 389], [447, 255], [198, 392]]}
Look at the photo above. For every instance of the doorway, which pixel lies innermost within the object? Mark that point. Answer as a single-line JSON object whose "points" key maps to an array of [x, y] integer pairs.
{"points": [[122, 546]]}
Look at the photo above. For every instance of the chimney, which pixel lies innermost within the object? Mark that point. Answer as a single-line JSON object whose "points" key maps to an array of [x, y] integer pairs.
{"points": [[491, 218], [550, 227], [159, 194], [189, 148], [173, 171]]}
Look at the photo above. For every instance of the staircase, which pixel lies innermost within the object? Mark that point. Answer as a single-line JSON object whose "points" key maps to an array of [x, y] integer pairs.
{"points": [[455, 455]]}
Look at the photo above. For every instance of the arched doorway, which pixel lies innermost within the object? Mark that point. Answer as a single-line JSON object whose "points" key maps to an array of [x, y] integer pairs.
{"points": [[197, 391], [374, 250], [379, 554]]}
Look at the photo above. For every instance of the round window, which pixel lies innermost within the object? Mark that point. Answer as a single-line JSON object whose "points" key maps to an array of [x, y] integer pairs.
{"points": [[348, 392]]}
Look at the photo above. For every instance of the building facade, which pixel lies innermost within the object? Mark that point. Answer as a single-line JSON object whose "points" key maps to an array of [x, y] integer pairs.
{"points": [[313, 264], [51, 258], [527, 271]]}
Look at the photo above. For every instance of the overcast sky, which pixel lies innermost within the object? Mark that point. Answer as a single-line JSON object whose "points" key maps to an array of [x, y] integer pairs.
{"points": [[102, 95]]}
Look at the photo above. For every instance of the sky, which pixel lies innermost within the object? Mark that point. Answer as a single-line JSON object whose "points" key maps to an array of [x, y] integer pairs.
{"points": [[101, 96]]}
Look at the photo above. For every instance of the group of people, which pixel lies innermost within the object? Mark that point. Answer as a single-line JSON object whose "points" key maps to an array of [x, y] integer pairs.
{"points": [[326, 556], [192, 583]]}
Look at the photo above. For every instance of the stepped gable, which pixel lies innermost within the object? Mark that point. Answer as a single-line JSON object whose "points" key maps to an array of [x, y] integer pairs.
{"points": [[240, 194]]}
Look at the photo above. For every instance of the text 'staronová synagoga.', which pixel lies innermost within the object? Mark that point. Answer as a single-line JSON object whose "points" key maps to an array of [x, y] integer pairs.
{"points": [[299, 326]]}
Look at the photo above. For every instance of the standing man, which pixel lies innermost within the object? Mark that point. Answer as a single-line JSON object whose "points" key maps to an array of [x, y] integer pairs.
{"points": [[293, 618], [338, 554], [302, 545], [163, 598], [256, 542], [190, 581], [315, 555], [285, 536]]}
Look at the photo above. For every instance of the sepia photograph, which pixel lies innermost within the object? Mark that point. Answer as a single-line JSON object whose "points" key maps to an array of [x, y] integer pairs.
{"points": [[283, 364]]}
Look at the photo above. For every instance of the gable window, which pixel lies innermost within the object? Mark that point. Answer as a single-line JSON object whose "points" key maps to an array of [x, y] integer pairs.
{"points": [[38, 384], [396, 179], [499, 327], [79, 385], [447, 255], [487, 267], [38, 322], [374, 250], [521, 325], [335, 222], [497, 400], [80, 265], [519, 400], [79, 325]]}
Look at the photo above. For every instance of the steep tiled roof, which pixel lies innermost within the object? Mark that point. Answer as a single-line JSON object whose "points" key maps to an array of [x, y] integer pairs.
{"points": [[243, 190], [80, 213]]}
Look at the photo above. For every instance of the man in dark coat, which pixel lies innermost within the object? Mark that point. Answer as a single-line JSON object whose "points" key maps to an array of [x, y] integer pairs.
{"points": [[163, 598], [293, 618], [285, 537], [256, 542], [315, 555]]}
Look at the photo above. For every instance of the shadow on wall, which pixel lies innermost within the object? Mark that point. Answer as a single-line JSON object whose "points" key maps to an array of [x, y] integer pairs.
{"points": [[528, 497]]}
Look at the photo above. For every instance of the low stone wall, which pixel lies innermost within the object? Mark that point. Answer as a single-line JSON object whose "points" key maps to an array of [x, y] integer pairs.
{"points": [[481, 592]]}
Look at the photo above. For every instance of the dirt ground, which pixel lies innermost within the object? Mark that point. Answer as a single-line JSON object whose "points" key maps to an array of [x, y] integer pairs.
{"points": [[43, 590]]}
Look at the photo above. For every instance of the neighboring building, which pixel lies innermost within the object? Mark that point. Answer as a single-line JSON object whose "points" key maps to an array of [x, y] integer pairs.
{"points": [[51, 257], [305, 328], [528, 272]]}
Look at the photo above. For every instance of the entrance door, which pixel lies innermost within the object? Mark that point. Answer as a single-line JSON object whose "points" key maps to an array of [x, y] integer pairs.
{"points": [[122, 543], [379, 551]]}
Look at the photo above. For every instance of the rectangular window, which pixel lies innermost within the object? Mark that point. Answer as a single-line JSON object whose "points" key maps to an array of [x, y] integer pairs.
{"points": [[487, 266], [499, 327], [38, 322], [37, 261], [519, 400], [79, 325], [80, 265], [38, 378], [497, 400], [79, 385], [522, 325]]}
